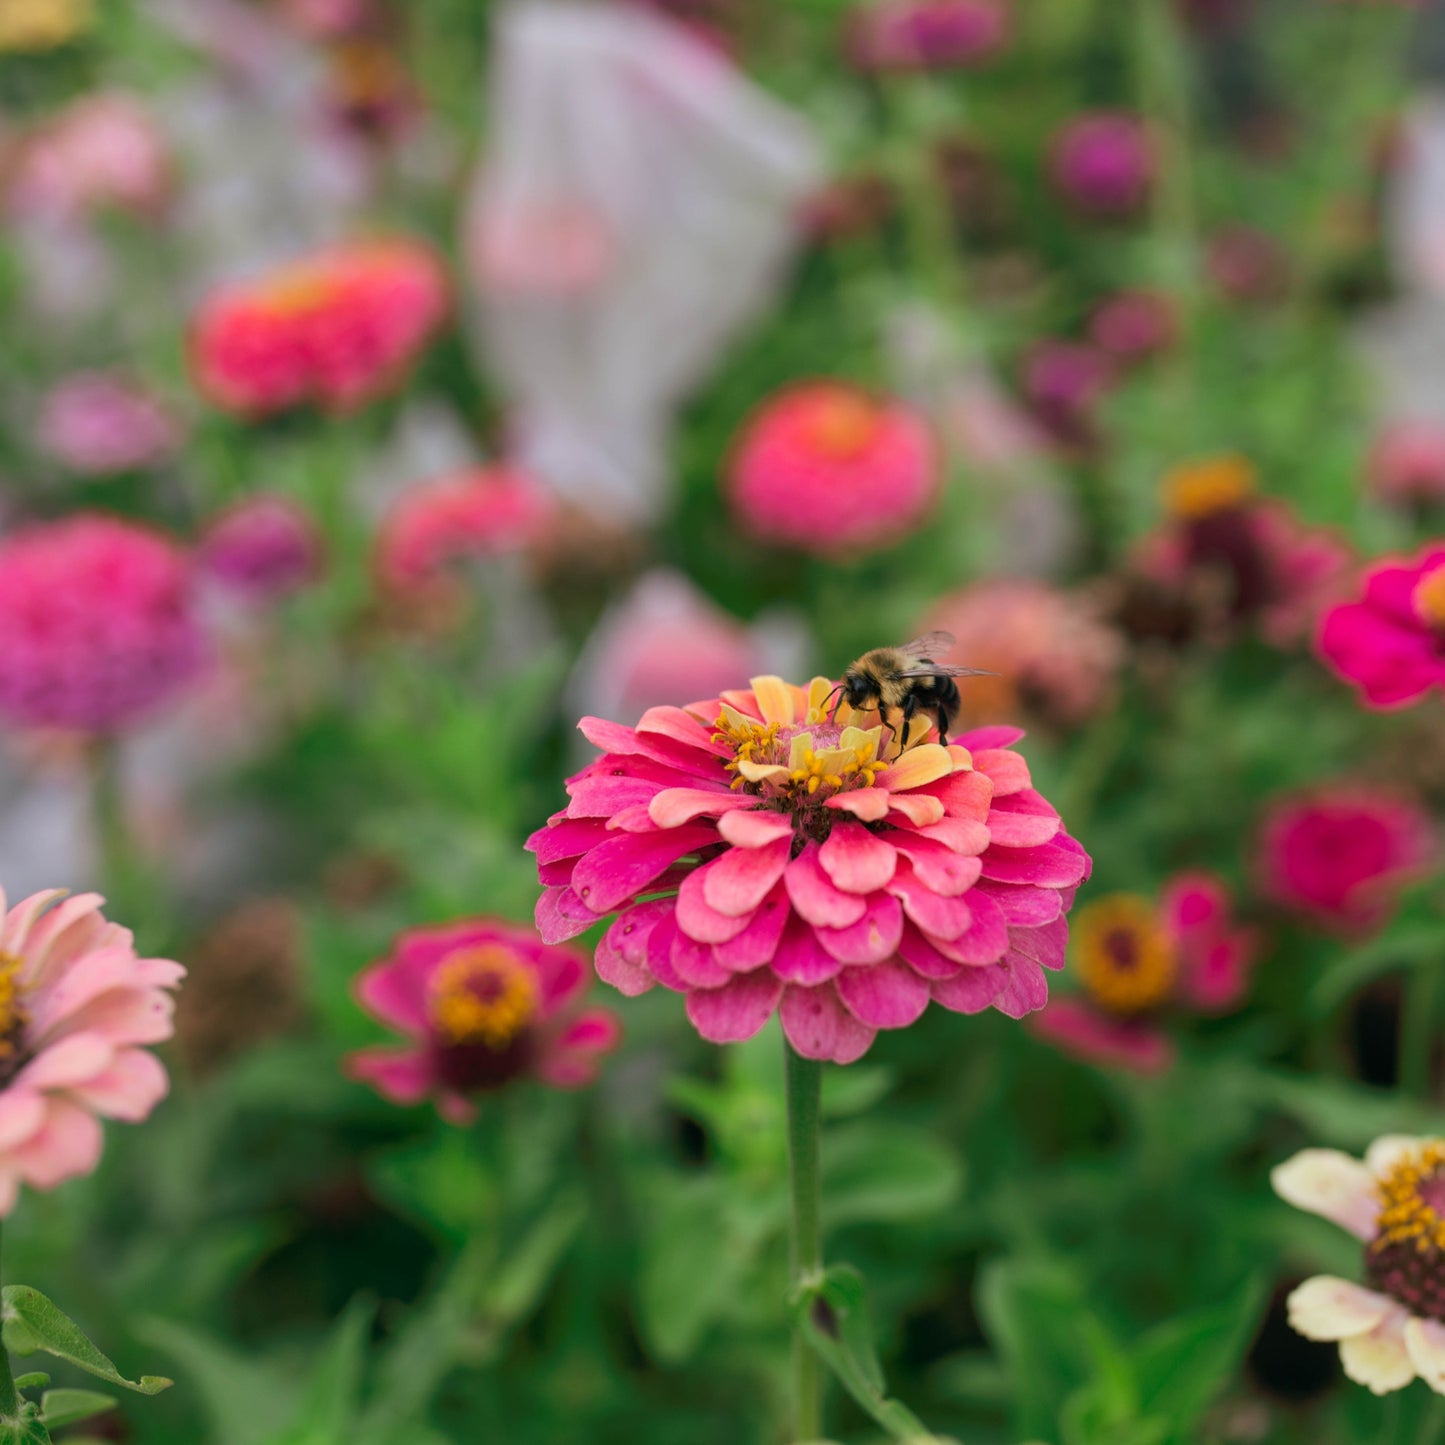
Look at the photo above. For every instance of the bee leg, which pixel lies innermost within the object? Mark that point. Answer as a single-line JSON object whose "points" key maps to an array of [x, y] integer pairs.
{"points": [[942, 726], [910, 706]]}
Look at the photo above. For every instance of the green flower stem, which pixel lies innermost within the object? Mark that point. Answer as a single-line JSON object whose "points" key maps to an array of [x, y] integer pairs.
{"points": [[804, 1089], [1417, 1029], [120, 873], [9, 1396]]}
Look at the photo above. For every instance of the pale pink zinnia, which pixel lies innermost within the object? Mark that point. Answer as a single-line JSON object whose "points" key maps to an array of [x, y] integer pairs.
{"points": [[825, 467], [99, 621], [78, 1012], [97, 424], [1406, 462], [1051, 655], [1393, 1330], [1340, 855], [761, 856], [480, 1003], [1139, 961]]}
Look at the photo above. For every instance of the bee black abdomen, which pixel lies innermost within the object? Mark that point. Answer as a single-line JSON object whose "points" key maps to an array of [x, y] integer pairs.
{"points": [[946, 691]]}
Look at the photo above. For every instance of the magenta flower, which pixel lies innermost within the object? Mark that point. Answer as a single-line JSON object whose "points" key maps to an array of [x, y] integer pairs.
{"points": [[99, 623], [262, 548], [1140, 962], [97, 424], [1103, 162], [761, 857], [480, 1003], [1340, 855], [826, 468], [1132, 326], [1246, 264], [928, 34], [78, 1010], [1064, 382], [1406, 463], [1391, 642]]}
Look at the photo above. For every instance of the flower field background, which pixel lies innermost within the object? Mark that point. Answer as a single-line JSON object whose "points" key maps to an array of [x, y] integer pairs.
{"points": [[451, 458]]}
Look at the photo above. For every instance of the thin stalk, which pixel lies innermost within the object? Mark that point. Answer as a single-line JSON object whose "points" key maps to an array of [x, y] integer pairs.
{"points": [[804, 1091], [9, 1395], [1418, 1016]]}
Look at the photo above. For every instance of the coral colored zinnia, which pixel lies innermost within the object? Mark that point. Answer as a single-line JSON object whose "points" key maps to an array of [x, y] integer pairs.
{"points": [[763, 857], [78, 1010], [1341, 855], [1393, 1202], [1390, 641], [99, 623], [481, 1003], [1139, 960], [827, 468], [335, 329]]}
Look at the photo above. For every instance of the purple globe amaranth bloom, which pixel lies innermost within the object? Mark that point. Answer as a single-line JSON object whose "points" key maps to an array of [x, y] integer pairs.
{"points": [[262, 548], [928, 34], [1103, 162]]}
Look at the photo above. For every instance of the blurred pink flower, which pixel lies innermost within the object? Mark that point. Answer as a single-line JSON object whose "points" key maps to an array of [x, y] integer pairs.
{"points": [[1054, 657], [99, 623], [98, 423], [1393, 1202], [1406, 463], [103, 150], [1241, 557], [481, 1003], [1064, 382], [1132, 326], [262, 548], [1246, 264], [482, 511], [927, 34], [78, 1009], [665, 639], [335, 329], [560, 249], [1103, 162], [1139, 961], [1341, 854], [786, 868], [1388, 642], [825, 467]]}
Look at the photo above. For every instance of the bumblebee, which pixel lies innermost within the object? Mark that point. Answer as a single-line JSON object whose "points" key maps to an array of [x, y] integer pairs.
{"points": [[902, 681]]}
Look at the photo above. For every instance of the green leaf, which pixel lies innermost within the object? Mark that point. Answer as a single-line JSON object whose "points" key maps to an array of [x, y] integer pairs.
{"points": [[39, 1325], [65, 1407], [833, 1315], [517, 1283], [329, 1407], [1408, 948], [35, 1380], [874, 1173]]}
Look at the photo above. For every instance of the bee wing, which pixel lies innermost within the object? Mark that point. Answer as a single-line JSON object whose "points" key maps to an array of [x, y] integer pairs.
{"points": [[931, 644], [935, 669]]}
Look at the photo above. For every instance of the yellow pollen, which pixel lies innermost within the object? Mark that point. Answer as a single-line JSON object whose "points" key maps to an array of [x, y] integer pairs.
{"points": [[482, 995], [1201, 488], [12, 1016], [31, 25], [1406, 1216], [843, 425], [1428, 598], [1123, 957]]}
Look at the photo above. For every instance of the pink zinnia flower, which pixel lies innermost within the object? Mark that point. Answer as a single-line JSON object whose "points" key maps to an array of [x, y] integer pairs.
{"points": [[1243, 558], [1138, 961], [1341, 855], [101, 151], [1406, 463], [1064, 382], [1051, 654], [927, 34], [78, 1009], [1394, 1204], [262, 548], [824, 467], [481, 1003], [1132, 326], [761, 857], [99, 623], [1103, 162], [559, 250], [97, 424], [482, 511], [335, 329], [1391, 642]]}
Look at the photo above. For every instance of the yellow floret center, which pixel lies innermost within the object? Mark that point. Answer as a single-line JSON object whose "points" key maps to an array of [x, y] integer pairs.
{"points": [[1123, 957], [41, 24], [843, 425], [12, 1015], [1428, 598], [1409, 1205], [482, 995], [801, 762], [1201, 488]]}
